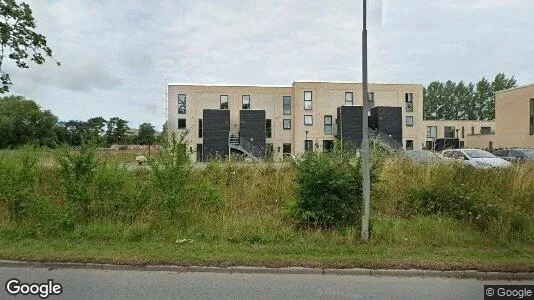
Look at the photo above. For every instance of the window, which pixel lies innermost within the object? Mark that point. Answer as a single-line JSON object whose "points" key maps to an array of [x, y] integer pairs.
{"points": [[182, 104], [485, 130], [531, 116], [409, 144], [199, 152], [182, 124], [308, 145], [199, 128], [286, 150], [463, 134], [449, 132], [371, 99], [328, 125], [408, 98], [287, 124], [431, 132], [269, 150], [287, 105], [328, 145], [268, 128], [308, 120], [472, 129], [409, 120], [308, 100], [462, 144], [224, 101], [349, 98], [429, 145], [245, 102]]}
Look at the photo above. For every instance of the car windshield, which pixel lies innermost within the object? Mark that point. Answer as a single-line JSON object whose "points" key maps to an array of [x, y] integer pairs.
{"points": [[478, 154], [529, 153]]}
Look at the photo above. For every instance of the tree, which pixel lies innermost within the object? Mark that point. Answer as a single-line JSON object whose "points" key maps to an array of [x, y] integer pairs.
{"points": [[146, 134], [95, 130], [464, 101], [163, 136], [18, 39], [22, 121], [116, 131]]}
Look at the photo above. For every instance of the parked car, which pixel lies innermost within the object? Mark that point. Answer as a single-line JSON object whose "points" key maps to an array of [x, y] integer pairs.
{"points": [[475, 157], [515, 154], [422, 156]]}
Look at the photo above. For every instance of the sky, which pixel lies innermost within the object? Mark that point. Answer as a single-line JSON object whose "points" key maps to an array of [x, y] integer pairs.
{"points": [[117, 55]]}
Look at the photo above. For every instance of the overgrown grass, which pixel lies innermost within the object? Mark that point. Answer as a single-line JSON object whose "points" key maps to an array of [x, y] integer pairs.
{"points": [[238, 213]]}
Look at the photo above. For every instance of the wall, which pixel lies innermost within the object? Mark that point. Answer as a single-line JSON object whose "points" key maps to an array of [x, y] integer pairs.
{"points": [[512, 113]]}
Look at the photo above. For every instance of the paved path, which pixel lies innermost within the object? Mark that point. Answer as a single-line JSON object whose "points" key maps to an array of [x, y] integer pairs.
{"points": [[124, 284]]}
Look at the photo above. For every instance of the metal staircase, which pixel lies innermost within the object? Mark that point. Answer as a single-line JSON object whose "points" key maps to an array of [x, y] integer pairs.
{"points": [[245, 147]]}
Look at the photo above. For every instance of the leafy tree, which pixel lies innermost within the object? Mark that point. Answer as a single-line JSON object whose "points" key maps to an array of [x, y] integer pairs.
{"points": [[19, 40], [163, 136], [464, 101], [146, 134], [95, 129], [116, 131], [22, 122]]}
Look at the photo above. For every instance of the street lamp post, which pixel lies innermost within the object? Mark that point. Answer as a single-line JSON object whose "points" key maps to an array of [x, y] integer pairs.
{"points": [[365, 134]]}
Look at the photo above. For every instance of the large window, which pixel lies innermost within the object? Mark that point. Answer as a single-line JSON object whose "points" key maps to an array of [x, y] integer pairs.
{"points": [[287, 105], [431, 132], [308, 145], [371, 99], [308, 100], [182, 124], [409, 121], [409, 144], [286, 151], [408, 98], [199, 152], [328, 125], [449, 132], [287, 124], [308, 120], [245, 102], [531, 116], [349, 98], [199, 128], [485, 130], [268, 128], [224, 101], [182, 104]]}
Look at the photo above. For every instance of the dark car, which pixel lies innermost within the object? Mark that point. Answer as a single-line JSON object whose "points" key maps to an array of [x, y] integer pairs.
{"points": [[515, 154]]}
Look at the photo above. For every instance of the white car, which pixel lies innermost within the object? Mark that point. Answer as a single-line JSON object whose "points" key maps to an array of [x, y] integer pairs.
{"points": [[475, 157]]}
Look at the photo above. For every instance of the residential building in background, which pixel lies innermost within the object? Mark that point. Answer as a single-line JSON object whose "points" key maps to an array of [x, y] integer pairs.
{"points": [[279, 121], [463, 130]]}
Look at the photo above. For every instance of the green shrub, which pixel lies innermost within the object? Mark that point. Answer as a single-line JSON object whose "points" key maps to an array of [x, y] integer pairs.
{"points": [[18, 182], [329, 190], [77, 172], [170, 172]]}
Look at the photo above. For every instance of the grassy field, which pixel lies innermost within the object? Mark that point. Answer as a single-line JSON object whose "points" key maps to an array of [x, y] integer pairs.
{"points": [[231, 214]]}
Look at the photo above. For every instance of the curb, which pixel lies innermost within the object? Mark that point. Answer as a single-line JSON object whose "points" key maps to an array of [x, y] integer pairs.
{"points": [[265, 270]]}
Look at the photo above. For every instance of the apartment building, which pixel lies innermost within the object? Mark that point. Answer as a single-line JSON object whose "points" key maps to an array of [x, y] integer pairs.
{"points": [[514, 120], [465, 131], [288, 120]]}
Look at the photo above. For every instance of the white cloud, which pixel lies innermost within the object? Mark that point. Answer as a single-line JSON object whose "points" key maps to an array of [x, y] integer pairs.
{"points": [[116, 54]]}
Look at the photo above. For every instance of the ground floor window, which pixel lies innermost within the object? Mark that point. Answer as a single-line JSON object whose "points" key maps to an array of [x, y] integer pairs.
{"points": [[308, 145], [269, 150], [199, 152], [328, 145], [286, 150], [409, 144]]}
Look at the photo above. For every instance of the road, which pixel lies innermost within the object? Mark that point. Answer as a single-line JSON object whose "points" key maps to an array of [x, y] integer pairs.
{"points": [[105, 284]]}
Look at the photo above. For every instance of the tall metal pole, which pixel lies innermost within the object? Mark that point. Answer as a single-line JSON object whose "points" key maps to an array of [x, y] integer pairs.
{"points": [[365, 133]]}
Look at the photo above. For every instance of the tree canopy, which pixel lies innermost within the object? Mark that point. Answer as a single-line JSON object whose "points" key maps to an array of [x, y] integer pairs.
{"points": [[18, 39], [464, 101]]}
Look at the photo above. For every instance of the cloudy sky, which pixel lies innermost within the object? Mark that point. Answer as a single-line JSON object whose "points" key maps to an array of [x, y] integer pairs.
{"points": [[116, 55]]}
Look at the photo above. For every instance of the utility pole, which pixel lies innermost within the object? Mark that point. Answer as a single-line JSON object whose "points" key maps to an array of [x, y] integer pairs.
{"points": [[365, 133]]}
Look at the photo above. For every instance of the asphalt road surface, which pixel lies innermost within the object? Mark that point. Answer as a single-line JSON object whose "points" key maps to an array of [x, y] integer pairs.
{"points": [[103, 284]]}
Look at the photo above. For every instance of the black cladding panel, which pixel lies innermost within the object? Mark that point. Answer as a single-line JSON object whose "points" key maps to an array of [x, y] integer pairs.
{"points": [[388, 120], [349, 125], [215, 130], [252, 127]]}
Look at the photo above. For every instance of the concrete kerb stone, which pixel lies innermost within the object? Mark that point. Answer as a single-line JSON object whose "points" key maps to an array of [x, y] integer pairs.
{"points": [[354, 271], [290, 270]]}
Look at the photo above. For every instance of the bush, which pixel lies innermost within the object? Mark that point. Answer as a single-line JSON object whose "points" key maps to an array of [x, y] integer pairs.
{"points": [[329, 190], [77, 172]]}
